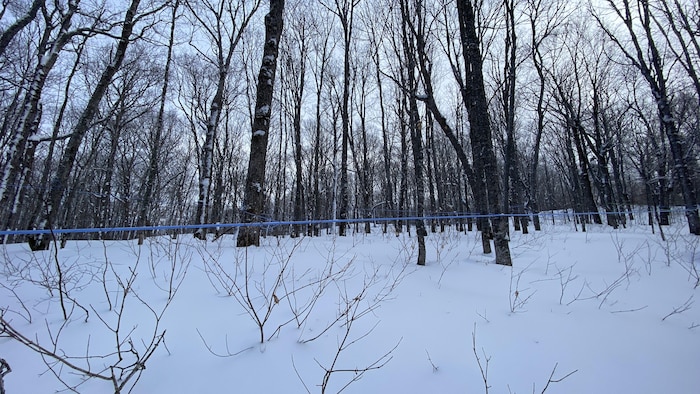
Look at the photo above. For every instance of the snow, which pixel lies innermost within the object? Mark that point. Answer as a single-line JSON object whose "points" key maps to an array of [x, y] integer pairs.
{"points": [[263, 111], [592, 304], [258, 133]]}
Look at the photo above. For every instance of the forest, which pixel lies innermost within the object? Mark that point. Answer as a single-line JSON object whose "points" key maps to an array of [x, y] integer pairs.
{"points": [[410, 172], [324, 112]]}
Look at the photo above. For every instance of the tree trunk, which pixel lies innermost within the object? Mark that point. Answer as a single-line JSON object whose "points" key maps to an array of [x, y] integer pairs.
{"points": [[649, 61], [476, 182], [11, 183], [60, 179], [320, 78], [19, 24], [388, 182], [430, 168], [366, 181], [414, 125], [155, 139], [345, 15], [480, 129], [403, 186], [298, 97], [255, 180]]}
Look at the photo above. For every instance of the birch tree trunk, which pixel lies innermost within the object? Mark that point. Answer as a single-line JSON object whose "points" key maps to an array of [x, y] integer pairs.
{"points": [[223, 23], [7, 35], [49, 49], [52, 205]]}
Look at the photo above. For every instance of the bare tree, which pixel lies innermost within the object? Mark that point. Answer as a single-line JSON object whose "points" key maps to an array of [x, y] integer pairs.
{"points": [[645, 55], [512, 183], [544, 18], [223, 22], [414, 124], [474, 175], [569, 91], [157, 131], [255, 180], [56, 35], [480, 129], [323, 49], [60, 179], [294, 82], [345, 11], [22, 22], [674, 16]]}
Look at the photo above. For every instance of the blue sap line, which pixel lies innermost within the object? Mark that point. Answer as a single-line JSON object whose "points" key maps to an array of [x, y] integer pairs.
{"points": [[285, 223]]}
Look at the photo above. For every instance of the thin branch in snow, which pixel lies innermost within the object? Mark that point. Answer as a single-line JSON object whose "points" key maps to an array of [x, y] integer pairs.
{"points": [[551, 376], [483, 368], [435, 367], [682, 308]]}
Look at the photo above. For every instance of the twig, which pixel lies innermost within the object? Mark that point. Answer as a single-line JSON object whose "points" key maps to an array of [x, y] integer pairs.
{"points": [[550, 380], [483, 368], [228, 352], [516, 298], [630, 310], [435, 368], [684, 307], [299, 376], [483, 316]]}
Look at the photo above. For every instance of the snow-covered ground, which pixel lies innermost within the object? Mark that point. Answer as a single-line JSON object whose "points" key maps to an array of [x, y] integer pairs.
{"points": [[605, 311]]}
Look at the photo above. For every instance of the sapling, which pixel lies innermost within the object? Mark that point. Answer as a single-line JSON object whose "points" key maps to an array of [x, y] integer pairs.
{"points": [[483, 364], [483, 367], [564, 282], [119, 361], [351, 314], [249, 288], [516, 297]]}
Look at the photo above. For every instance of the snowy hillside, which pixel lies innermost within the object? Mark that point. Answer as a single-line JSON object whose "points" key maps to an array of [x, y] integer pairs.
{"points": [[605, 311]]}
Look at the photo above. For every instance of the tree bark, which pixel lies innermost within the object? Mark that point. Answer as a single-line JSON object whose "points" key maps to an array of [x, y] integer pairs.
{"points": [[7, 35], [414, 126], [345, 13], [297, 87], [648, 60], [49, 49], [60, 180], [480, 129], [255, 180], [512, 183], [157, 133], [475, 182]]}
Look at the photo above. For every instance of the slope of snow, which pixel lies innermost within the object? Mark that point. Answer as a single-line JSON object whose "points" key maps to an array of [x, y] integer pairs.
{"points": [[597, 305]]}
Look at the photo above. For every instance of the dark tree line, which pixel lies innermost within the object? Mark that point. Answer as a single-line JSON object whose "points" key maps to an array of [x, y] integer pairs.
{"points": [[161, 112]]}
